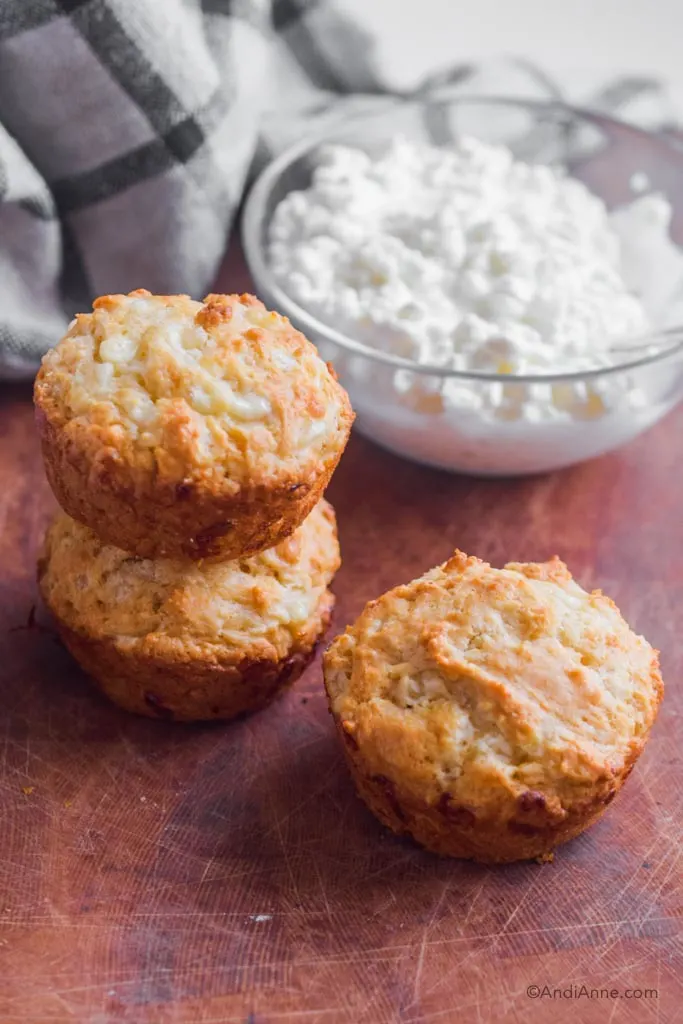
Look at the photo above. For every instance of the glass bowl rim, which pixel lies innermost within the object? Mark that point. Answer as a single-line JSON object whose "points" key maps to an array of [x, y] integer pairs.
{"points": [[259, 268]]}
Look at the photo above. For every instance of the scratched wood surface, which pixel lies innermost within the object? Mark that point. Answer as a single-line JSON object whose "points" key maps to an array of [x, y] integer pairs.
{"points": [[159, 873]]}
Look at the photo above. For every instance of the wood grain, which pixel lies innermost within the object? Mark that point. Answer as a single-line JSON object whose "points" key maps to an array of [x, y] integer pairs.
{"points": [[156, 873]]}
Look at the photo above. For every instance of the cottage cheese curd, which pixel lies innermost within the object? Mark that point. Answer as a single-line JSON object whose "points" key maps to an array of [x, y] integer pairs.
{"points": [[466, 259]]}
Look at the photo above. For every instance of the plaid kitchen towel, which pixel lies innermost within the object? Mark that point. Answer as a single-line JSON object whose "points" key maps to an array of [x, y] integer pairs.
{"points": [[128, 129]]}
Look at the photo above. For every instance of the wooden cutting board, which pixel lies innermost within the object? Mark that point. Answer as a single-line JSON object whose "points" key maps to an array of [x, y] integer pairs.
{"points": [[151, 872]]}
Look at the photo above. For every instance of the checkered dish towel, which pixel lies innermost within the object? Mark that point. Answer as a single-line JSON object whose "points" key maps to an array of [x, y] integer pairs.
{"points": [[128, 129]]}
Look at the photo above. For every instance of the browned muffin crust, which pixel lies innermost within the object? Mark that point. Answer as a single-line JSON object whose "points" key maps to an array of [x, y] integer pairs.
{"points": [[491, 714], [190, 640], [528, 830], [215, 446], [188, 689], [168, 519]]}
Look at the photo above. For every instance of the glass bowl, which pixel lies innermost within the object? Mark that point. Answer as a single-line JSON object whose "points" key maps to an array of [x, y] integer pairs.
{"points": [[432, 414]]}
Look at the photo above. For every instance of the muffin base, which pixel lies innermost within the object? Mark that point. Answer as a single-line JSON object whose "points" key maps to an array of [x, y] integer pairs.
{"points": [[153, 518], [188, 690], [452, 831]]}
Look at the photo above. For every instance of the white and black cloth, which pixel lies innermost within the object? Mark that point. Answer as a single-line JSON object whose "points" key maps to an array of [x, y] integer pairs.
{"points": [[128, 129]]}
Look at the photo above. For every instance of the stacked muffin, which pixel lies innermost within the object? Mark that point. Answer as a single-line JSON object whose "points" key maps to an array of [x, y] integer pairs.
{"points": [[189, 445]]}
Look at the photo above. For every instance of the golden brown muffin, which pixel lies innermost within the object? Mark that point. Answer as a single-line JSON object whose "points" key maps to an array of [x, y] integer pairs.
{"points": [[176, 429], [190, 640], [492, 714]]}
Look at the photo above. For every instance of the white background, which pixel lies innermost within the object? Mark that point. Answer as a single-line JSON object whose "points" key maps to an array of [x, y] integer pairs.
{"points": [[579, 40]]}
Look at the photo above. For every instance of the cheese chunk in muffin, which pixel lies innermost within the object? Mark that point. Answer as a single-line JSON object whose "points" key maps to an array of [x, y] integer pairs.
{"points": [[492, 714], [189, 640], [176, 428]]}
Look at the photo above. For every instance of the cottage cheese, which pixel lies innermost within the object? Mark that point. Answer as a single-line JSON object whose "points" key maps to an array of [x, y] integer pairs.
{"points": [[463, 258], [459, 257]]}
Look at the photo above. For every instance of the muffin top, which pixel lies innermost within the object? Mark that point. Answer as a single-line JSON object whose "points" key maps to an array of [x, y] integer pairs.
{"points": [[187, 389], [256, 607], [490, 684]]}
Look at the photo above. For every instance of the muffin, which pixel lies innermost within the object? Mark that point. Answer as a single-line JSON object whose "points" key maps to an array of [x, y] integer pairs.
{"points": [[491, 714], [176, 429], [191, 640]]}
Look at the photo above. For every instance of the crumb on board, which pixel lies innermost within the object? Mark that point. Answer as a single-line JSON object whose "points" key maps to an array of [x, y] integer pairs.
{"points": [[546, 858]]}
